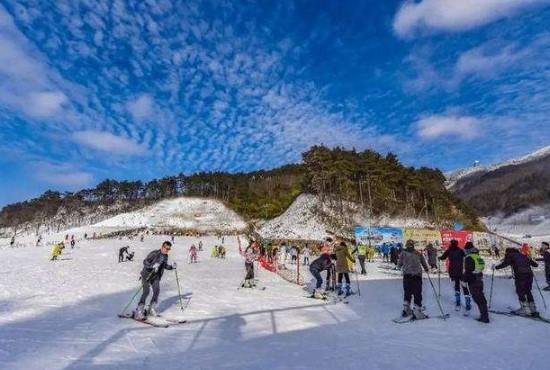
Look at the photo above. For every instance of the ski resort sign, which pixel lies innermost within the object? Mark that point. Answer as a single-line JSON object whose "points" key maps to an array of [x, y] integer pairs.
{"points": [[371, 235]]}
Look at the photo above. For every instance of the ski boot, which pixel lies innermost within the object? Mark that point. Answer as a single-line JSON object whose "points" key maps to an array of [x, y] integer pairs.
{"points": [[484, 320], [546, 288], [523, 310], [418, 314], [319, 294], [348, 290], [139, 313], [246, 284], [468, 305], [533, 309], [457, 301], [153, 310], [406, 309], [339, 289]]}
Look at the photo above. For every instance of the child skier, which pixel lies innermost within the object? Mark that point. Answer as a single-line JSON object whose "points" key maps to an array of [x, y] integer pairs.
{"points": [[153, 267], [192, 254], [249, 258], [320, 264], [456, 267], [473, 276], [412, 263], [523, 275], [344, 260], [545, 251], [56, 250]]}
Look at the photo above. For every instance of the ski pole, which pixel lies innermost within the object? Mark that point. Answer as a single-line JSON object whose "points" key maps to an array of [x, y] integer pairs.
{"points": [[357, 281], [179, 289], [136, 293], [439, 278], [491, 290], [443, 316], [540, 292]]}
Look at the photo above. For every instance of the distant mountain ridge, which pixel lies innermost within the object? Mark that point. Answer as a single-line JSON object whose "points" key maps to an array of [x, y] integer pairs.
{"points": [[506, 188]]}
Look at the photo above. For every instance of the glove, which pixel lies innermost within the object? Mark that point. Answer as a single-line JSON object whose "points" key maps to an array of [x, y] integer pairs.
{"points": [[156, 267], [174, 265]]}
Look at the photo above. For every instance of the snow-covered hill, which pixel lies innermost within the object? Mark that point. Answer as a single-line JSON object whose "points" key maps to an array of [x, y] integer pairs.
{"points": [[455, 176], [62, 316], [184, 212], [309, 218]]}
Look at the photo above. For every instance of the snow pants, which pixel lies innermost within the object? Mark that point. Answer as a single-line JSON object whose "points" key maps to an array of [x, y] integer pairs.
{"points": [[362, 264], [465, 290], [524, 285], [476, 289], [249, 266], [342, 276], [412, 287], [318, 279], [147, 285]]}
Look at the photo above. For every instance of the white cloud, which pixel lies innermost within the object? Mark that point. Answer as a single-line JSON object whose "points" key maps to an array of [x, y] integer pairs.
{"points": [[62, 174], [454, 15], [437, 126], [107, 142], [26, 84], [141, 107]]}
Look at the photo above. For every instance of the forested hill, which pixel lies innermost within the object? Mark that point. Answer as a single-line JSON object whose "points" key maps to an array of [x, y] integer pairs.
{"points": [[380, 183]]}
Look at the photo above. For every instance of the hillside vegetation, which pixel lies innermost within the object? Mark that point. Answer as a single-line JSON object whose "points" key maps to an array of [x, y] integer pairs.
{"points": [[379, 183]]}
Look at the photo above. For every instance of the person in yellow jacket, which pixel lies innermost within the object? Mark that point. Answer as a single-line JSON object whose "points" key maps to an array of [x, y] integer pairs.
{"points": [[344, 262], [56, 250], [371, 252]]}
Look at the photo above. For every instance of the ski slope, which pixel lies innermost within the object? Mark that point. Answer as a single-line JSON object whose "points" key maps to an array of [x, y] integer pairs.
{"points": [[62, 315]]}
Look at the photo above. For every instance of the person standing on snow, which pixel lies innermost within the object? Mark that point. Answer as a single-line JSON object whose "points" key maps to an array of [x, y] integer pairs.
{"points": [[344, 260], [431, 253], [193, 254], [249, 258], [473, 276], [412, 263], [320, 264], [361, 256], [121, 252], [153, 267], [456, 267], [545, 251], [523, 275], [57, 250], [306, 252]]}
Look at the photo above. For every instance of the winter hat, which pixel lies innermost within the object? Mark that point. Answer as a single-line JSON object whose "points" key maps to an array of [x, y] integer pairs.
{"points": [[469, 245], [545, 245], [454, 243], [409, 243]]}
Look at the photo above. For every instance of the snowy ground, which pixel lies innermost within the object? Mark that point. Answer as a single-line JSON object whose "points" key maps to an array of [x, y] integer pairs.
{"points": [[62, 315]]}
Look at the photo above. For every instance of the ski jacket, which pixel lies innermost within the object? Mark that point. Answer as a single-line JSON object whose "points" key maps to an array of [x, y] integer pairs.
{"points": [[344, 259], [322, 263], [431, 253], [473, 266], [362, 250], [412, 262], [152, 258], [456, 261], [250, 255], [546, 259], [520, 263]]}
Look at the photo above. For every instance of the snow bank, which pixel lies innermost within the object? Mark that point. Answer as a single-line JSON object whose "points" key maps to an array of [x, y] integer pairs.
{"points": [[309, 218], [186, 213]]}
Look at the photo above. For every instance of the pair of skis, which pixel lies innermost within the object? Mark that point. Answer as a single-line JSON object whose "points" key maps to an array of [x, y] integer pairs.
{"points": [[155, 321], [411, 318], [512, 313]]}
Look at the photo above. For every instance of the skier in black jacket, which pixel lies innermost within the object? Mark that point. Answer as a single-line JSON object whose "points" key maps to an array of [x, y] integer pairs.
{"points": [[545, 251], [473, 277], [322, 263], [523, 275], [456, 266], [153, 267]]}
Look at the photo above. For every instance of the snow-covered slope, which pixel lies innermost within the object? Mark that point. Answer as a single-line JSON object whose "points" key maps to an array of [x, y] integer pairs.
{"points": [[454, 176], [62, 316], [183, 212], [309, 218]]}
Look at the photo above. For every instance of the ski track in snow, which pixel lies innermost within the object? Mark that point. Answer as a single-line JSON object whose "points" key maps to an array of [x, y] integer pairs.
{"points": [[62, 315]]}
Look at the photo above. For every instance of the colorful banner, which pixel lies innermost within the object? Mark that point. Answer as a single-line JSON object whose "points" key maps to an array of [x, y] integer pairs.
{"points": [[462, 237], [422, 237], [378, 235]]}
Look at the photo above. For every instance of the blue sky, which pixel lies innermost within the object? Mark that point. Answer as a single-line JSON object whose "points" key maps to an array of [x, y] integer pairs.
{"points": [[140, 89]]}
